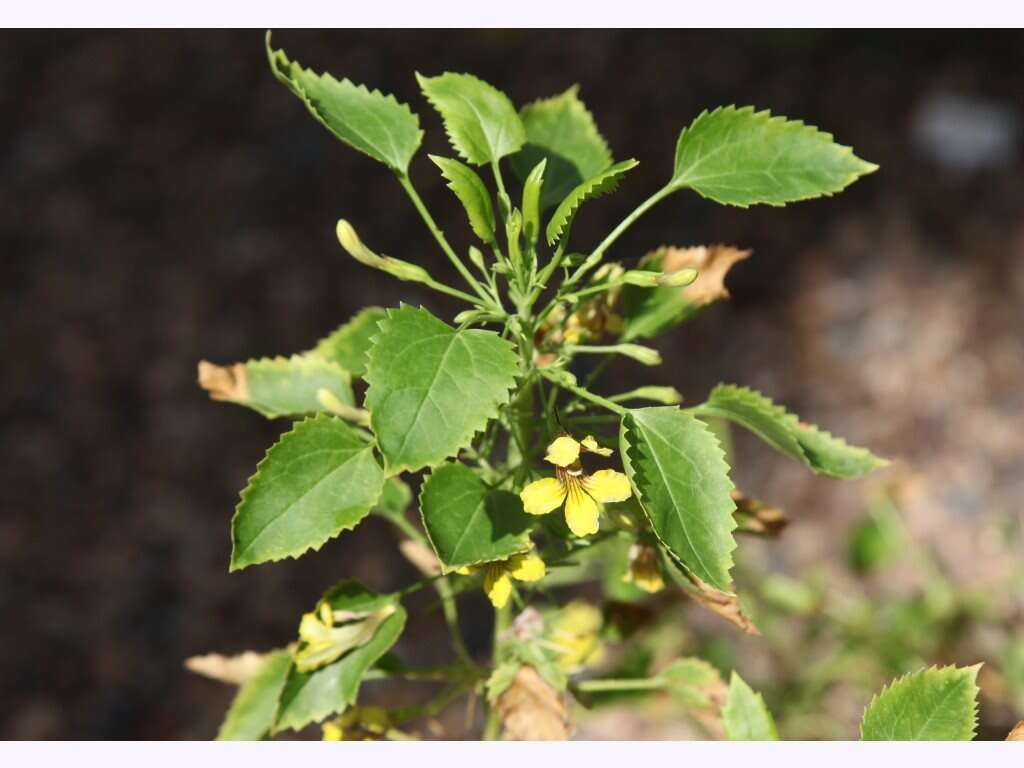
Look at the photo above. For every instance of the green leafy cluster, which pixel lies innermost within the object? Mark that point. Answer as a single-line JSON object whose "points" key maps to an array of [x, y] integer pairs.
{"points": [[468, 408]]}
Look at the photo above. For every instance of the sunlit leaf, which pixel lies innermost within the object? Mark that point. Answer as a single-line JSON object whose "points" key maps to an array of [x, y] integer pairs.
{"points": [[741, 157], [315, 482], [595, 186], [375, 124], [745, 716]]}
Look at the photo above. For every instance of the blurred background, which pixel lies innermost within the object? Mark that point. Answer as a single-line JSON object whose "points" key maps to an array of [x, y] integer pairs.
{"points": [[164, 200]]}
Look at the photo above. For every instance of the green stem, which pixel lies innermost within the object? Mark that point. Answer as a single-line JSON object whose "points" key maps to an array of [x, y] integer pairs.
{"points": [[502, 620], [605, 244], [406, 183], [639, 684], [580, 392]]}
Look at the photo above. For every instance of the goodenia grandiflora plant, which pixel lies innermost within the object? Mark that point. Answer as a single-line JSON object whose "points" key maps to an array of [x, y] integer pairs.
{"points": [[528, 477]]}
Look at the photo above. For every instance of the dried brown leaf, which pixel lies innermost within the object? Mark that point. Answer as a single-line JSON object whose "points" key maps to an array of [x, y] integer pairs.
{"points": [[532, 710], [224, 382], [754, 516], [1017, 734], [725, 605], [712, 264], [227, 669]]}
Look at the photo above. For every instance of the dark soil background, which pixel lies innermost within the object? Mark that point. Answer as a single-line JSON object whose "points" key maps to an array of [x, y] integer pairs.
{"points": [[164, 199]]}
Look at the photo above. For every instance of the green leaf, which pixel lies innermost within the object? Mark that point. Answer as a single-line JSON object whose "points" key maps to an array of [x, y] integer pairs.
{"points": [[742, 157], [467, 522], [782, 430], [252, 712], [935, 704], [375, 124], [470, 189], [315, 482], [682, 482], [561, 131], [348, 344], [291, 386], [311, 696], [432, 387], [481, 122], [745, 716], [595, 186], [532, 188], [692, 682]]}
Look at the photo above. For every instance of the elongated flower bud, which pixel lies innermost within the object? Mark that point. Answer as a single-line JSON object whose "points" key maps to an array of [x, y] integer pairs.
{"points": [[403, 270]]}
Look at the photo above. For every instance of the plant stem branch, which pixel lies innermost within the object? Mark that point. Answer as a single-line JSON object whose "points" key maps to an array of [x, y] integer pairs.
{"points": [[406, 183]]}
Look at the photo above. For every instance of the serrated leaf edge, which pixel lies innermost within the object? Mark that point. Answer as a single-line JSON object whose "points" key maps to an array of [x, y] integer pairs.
{"points": [[445, 567], [300, 92], [791, 422], [571, 96], [868, 167], [455, 144], [600, 184], [632, 449], [492, 412], [243, 495], [924, 670]]}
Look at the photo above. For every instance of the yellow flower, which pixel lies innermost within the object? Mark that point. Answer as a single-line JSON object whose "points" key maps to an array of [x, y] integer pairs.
{"points": [[358, 724], [580, 492], [498, 575], [643, 568], [575, 633]]}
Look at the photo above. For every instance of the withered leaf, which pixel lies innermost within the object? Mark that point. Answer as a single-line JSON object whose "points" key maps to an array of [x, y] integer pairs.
{"points": [[712, 263], [1017, 734], [725, 605], [532, 710], [754, 516], [224, 382], [227, 669]]}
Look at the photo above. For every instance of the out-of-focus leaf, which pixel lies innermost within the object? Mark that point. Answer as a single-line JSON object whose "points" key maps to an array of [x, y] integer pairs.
{"points": [[251, 715], [934, 704], [745, 716], [647, 312], [347, 345], [282, 386], [532, 710]]}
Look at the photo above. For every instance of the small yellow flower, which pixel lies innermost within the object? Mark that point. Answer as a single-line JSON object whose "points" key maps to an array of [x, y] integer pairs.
{"points": [[358, 724], [498, 575], [580, 492], [576, 635], [644, 570]]}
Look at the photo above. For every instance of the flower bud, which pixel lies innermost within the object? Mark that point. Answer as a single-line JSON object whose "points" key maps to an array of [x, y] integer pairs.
{"points": [[678, 279], [640, 353], [644, 571], [403, 270], [641, 278]]}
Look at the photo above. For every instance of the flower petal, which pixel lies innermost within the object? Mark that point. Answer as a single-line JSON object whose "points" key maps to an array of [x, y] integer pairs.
{"points": [[563, 452], [608, 485], [543, 496], [526, 567], [581, 512], [498, 585], [590, 444]]}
